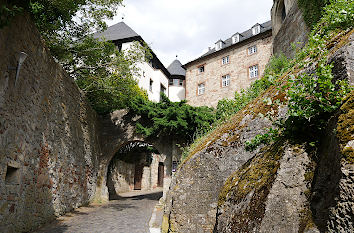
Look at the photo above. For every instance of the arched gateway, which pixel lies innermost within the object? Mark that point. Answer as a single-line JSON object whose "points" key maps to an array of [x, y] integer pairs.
{"points": [[118, 129]]}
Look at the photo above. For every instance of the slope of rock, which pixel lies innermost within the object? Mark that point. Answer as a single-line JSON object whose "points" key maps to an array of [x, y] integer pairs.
{"points": [[222, 187]]}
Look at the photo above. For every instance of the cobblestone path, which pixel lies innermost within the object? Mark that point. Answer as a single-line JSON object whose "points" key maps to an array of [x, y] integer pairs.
{"points": [[130, 213]]}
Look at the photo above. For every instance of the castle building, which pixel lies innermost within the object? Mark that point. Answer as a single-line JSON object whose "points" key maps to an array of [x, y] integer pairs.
{"points": [[230, 66], [177, 84], [154, 76]]}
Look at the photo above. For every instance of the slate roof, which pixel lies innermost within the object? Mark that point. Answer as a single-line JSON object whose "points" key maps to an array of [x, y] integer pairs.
{"points": [[243, 36], [176, 68], [117, 31]]}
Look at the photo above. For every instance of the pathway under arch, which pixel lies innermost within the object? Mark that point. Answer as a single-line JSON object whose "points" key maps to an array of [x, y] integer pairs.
{"points": [[116, 130]]}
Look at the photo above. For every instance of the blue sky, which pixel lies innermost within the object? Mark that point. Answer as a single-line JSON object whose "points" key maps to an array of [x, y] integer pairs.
{"points": [[188, 27]]}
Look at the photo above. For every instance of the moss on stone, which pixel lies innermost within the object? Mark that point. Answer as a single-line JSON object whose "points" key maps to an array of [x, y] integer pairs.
{"points": [[165, 224], [345, 128], [256, 177]]}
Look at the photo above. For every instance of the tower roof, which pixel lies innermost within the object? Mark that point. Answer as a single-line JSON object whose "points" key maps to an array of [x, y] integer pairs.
{"points": [[176, 68], [117, 31]]}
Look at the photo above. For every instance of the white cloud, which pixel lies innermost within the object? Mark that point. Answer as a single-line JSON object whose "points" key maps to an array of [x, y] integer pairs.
{"points": [[189, 27]]}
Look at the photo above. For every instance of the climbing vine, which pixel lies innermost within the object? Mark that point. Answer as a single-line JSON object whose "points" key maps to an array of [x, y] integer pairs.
{"points": [[313, 96]]}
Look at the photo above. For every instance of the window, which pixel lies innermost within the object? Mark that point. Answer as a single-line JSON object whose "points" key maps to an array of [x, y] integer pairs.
{"points": [[252, 50], [236, 38], [256, 30], [170, 81], [163, 89], [225, 80], [253, 71], [12, 175], [218, 45], [150, 86], [201, 69], [201, 89], [225, 60], [181, 82]]}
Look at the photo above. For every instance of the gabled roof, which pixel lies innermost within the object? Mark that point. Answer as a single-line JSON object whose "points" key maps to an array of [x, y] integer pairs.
{"points": [[122, 33], [267, 26], [117, 31], [176, 68]]}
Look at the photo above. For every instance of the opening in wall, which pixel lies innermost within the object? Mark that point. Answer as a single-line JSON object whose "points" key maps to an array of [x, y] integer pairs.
{"points": [[12, 175], [283, 12]]}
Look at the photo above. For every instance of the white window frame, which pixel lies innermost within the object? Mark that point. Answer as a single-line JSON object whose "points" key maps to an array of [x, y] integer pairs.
{"points": [[218, 45], [201, 69], [253, 70], [256, 30], [252, 50], [225, 80], [236, 38], [163, 89], [201, 88], [225, 60]]}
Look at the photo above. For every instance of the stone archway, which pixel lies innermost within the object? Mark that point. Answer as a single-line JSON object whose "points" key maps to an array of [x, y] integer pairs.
{"points": [[118, 129], [136, 166]]}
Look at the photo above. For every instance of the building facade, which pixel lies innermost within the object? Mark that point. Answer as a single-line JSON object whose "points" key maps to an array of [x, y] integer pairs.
{"points": [[154, 76], [177, 82], [229, 67]]}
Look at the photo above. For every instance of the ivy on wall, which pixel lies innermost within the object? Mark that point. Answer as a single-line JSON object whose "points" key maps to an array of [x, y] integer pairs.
{"points": [[312, 10]]}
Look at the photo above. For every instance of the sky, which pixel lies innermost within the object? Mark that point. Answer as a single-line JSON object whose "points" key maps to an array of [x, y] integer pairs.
{"points": [[188, 27]]}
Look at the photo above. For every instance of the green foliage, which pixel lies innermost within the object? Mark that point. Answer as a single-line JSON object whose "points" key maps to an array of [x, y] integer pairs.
{"points": [[270, 136], [106, 74], [337, 15], [7, 13], [312, 10], [100, 70], [52, 16], [175, 119], [313, 96]]}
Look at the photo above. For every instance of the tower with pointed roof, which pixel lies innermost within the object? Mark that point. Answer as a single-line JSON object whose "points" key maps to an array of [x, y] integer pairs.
{"points": [[177, 84]]}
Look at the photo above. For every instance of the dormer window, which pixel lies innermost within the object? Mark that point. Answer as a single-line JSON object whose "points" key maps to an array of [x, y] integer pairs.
{"points": [[218, 45], [236, 38], [256, 29]]}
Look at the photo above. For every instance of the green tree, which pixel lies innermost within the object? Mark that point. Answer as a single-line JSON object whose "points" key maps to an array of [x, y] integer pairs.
{"points": [[100, 70], [175, 119]]}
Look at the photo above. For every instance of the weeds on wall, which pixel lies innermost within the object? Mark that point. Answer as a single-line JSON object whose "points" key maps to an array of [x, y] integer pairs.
{"points": [[312, 10], [313, 97]]}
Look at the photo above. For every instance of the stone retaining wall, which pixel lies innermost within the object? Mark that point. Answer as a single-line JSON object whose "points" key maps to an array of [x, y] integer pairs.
{"points": [[48, 147]]}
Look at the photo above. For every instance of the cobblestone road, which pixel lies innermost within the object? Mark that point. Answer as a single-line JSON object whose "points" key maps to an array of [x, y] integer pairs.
{"points": [[130, 213]]}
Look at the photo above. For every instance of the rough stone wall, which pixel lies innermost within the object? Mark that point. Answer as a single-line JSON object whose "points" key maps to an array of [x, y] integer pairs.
{"points": [[121, 177], [293, 30], [193, 198], [271, 189], [116, 130], [273, 196], [121, 174], [238, 69], [48, 147]]}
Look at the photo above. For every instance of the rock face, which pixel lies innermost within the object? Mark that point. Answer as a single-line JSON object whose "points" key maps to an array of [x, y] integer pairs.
{"points": [[289, 30], [284, 187], [48, 143], [266, 194]]}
